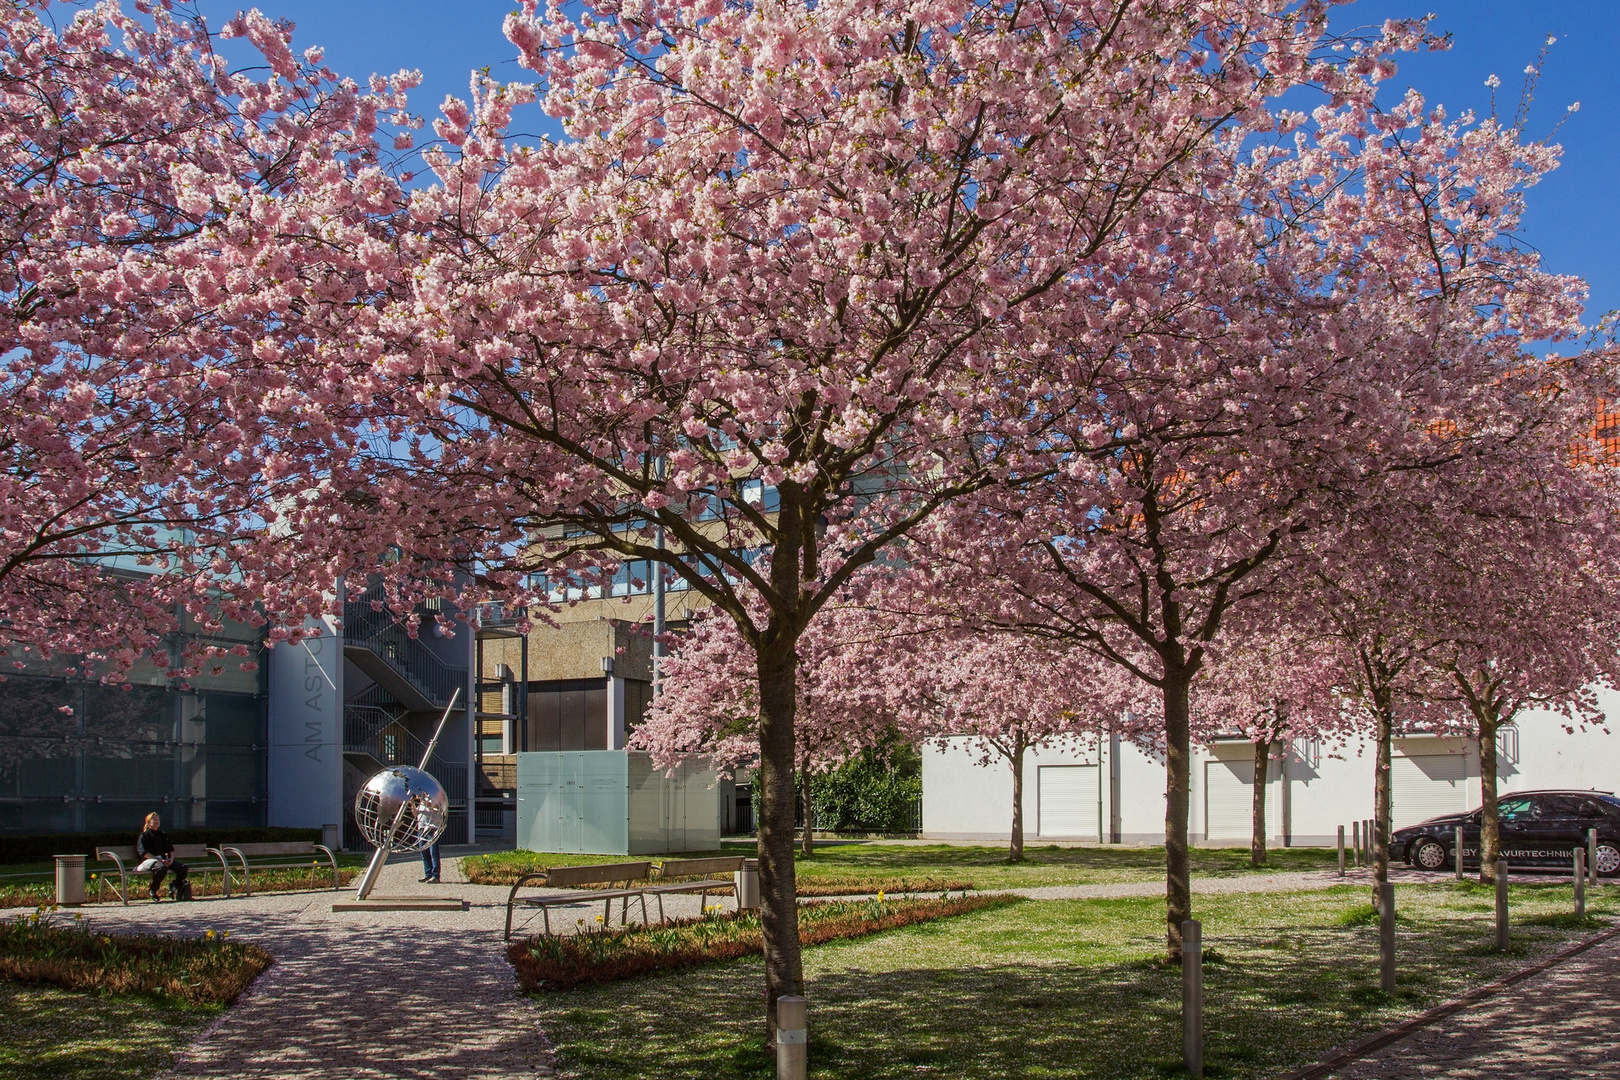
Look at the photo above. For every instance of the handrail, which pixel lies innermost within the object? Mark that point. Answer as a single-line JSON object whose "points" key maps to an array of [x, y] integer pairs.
{"points": [[382, 633]]}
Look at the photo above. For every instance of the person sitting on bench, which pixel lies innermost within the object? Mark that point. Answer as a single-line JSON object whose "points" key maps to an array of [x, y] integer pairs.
{"points": [[157, 858]]}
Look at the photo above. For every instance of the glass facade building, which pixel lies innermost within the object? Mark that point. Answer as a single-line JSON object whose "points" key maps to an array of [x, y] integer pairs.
{"points": [[77, 755]]}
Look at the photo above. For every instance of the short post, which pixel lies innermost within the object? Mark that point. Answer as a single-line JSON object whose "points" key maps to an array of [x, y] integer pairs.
{"points": [[1355, 840], [1367, 839], [1591, 856], [70, 880], [792, 1038], [1501, 906], [1459, 853], [1580, 882], [1341, 851], [1386, 937], [1192, 997]]}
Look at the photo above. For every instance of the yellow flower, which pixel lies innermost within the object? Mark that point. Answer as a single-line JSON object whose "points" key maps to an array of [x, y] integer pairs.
{"points": [[880, 896]]}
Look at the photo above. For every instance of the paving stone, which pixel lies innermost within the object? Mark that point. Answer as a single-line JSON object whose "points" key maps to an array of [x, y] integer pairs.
{"points": [[1560, 1024]]}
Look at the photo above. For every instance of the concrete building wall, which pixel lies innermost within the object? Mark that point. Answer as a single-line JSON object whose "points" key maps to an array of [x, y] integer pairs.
{"points": [[1312, 789]]}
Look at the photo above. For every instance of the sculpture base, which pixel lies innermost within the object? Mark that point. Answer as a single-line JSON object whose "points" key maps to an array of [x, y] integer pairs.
{"points": [[402, 903]]}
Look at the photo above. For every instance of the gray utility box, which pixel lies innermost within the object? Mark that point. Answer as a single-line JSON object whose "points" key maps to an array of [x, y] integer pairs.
{"points": [[615, 802]]}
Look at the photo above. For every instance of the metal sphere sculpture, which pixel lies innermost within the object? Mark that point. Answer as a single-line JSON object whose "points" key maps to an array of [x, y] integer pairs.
{"points": [[401, 809]]}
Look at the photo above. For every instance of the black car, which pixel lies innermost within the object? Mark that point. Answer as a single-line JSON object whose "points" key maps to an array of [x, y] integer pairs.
{"points": [[1538, 829]]}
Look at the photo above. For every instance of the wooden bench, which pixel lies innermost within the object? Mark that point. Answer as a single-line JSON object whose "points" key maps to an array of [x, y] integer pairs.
{"points": [[619, 878], [291, 855], [695, 868], [119, 856]]}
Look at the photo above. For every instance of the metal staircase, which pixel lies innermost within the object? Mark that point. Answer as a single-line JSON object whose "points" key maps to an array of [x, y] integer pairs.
{"points": [[411, 686]]}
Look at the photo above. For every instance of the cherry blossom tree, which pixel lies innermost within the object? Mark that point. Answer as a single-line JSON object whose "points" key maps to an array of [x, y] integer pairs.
{"points": [[1352, 311], [848, 698], [796, 279], [1010, 695], [170, 226], [1272, 689]]}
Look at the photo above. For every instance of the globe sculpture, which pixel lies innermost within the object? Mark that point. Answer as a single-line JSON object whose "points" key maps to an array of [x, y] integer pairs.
{"points": [[401, 809]]}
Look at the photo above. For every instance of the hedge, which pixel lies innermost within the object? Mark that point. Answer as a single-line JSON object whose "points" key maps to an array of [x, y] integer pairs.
{"points": [[39, 847]]}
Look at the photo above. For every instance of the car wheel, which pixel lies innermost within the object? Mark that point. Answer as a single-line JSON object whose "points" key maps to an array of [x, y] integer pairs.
{"points": [[1608, 858], [1431, 855]]}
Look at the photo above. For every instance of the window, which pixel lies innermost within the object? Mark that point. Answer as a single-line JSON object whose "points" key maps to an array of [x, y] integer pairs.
{"points": [[1516, 811]]}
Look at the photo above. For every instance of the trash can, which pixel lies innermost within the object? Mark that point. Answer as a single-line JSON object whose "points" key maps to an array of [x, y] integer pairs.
{"points": [[70, 880], [748, 885]]}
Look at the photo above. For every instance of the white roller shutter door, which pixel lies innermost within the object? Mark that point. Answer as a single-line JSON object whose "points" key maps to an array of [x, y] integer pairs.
{"points": [[1229, 801], [1426, 786], [1066, 798]]}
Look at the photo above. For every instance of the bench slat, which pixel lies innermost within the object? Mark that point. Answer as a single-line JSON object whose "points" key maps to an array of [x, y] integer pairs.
{"points": [[673, 868], [293, 847], [568, 877]]}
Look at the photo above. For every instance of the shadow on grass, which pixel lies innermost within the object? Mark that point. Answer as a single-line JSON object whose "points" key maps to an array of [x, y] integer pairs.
{"points": [[964, 1006], [52, 1034]]}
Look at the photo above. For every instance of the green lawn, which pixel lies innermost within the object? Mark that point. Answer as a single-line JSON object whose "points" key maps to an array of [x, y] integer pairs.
{"points": [[1069, 989], [868, 867], [51, 1034]]}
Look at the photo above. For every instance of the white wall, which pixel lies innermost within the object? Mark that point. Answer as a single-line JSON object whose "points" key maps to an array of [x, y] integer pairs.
{"points": [[1316, 790], [963, 800]]}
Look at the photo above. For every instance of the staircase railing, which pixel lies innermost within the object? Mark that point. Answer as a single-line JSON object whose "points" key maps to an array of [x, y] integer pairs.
{"points": [[382, 633]]}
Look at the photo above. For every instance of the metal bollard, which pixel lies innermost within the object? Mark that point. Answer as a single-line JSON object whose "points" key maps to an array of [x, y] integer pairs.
{"points": [[1591, 856], [1458, 850], [792, 1038], [1386, 937], [1192, 998], [1355, 840], [1501, 906], [1368, 839], [1341, 851], [1580, 882]]}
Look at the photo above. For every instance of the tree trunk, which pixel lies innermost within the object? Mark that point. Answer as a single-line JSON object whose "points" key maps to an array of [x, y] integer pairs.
{"points": [[1262, 769], [779, 914], [808, 847], [1177, 795], [1490, 827], [1015, 850], [1385, 711]]}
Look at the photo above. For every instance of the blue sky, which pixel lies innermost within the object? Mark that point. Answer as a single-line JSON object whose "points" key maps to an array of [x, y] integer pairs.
{"points": [[1574, 215]]}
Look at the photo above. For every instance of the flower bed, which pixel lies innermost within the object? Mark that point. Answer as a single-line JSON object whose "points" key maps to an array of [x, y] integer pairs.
{"points": [[559, 963], [39, 893], [208, 969]]}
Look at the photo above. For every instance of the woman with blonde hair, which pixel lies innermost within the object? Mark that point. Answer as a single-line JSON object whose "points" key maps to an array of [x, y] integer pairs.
{"points": [[157, 858]]}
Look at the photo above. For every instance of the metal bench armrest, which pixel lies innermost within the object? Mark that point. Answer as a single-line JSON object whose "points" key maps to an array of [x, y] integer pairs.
{"points": [[512, 896], [331, 858], [247, 877], [224, 868], [102, 855]]}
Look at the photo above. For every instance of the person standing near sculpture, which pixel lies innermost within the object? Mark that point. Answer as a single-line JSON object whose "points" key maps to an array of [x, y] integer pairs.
{"points": [[431, 863], [157, 858]]}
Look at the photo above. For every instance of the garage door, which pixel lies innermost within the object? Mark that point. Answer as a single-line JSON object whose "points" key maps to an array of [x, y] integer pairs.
{"points": [[1423, 786], [1229, 801], [1066, 800]]}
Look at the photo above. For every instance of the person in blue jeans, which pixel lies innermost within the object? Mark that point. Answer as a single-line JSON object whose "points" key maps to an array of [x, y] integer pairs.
{"points": [[431, 863]]}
